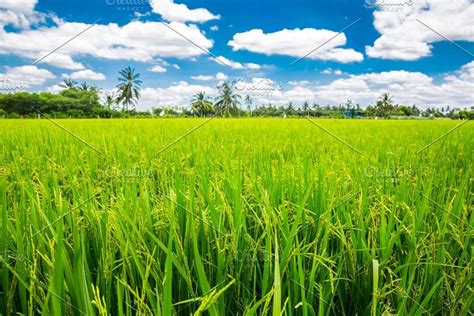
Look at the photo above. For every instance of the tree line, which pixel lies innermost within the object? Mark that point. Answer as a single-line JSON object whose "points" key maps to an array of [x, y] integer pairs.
{"points": [[82, 100]]}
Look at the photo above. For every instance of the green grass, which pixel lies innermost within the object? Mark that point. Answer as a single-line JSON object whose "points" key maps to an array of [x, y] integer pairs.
{"points": [[242, 216]]}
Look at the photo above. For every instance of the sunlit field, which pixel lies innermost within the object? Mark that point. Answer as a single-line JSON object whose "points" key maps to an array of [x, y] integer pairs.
{"points": [[236, 216]]}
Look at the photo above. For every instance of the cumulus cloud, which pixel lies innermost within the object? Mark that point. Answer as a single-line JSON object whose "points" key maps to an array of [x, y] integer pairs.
{"points": [[179, 12], [214, 28], [180, 94], [86, 75], [162, 66], [136, 41], [54, 89], [404, 37], [158, 68], [298, 82], [20, 14], [297, 43], [202, 78], [235, 65], [27, 76], [24, 6], [61, 61], [218, 77], [407, 88], [330, 71]]}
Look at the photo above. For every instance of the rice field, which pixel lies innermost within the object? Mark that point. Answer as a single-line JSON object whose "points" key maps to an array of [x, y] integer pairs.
{"points": [[236, 217]]}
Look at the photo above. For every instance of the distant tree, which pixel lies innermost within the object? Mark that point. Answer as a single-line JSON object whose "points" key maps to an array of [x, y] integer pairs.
{"points": [[384, 105], [227, 101], [349, 109], [110, 100], [201, 104], [465, 115], [290, 108], [84, 86], [69, 102], [69, 84], [248, 102], [129, 88], [306, 108], [405, 110], [386, 101]]}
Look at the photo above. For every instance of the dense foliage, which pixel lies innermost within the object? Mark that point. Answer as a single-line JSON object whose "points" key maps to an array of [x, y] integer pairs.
{"points": [[68, 103]]}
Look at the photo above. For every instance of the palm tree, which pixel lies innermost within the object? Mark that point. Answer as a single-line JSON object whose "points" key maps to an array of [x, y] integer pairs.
{"points": [[201, 104], [227, 100], [110, 100], [386, 102], [306, 108], [384, 105], [129, 87], [69, 84], [248, 102], [84, 86], [289, 108]]}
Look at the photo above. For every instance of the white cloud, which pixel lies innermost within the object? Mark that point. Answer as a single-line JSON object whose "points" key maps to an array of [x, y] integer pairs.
{"points": [[162, 66], [218, 77], [298, 82], [20, 6], [61, 61], [179, 12], [235, 65], [296, 43], [202, 78], [403, 37], [214, 28], [330, 71], [406, 87], [136, 41], [20, 14], [54, 89], [158, 68], [180, 93], [26, 75], [86, 75]]}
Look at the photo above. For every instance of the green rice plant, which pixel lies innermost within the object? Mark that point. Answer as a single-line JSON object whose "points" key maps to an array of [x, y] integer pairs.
{"points": [[239, 217]]}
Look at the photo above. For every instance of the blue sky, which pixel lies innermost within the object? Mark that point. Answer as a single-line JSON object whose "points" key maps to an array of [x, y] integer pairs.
{"points": [[421, 52]]}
